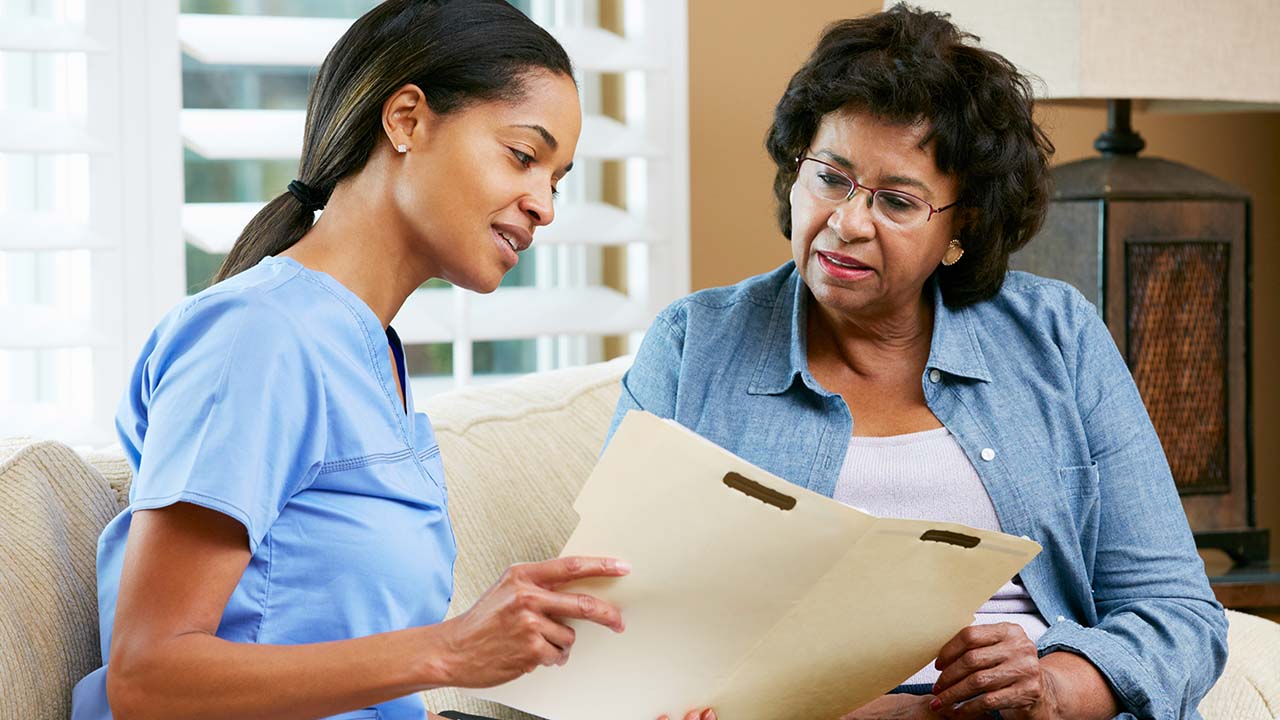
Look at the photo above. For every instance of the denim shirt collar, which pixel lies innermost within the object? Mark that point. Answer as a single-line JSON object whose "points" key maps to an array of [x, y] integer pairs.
{"points": [[954, 347]]}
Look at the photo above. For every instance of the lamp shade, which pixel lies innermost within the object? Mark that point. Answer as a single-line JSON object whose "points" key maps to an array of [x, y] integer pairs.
{"points": [[1196, 52]]}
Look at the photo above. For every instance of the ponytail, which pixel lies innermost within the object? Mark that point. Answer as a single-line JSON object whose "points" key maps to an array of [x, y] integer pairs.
{"points": [[273, 230]]}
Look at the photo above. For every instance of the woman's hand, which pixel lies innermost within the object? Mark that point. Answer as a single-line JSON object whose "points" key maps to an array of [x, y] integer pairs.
{"points": [[994, 667], [517, 625], [704, 714], [895, 707]]}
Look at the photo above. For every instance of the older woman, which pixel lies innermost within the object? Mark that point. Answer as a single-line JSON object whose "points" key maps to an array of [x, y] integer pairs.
{"points": [[897, 365]]}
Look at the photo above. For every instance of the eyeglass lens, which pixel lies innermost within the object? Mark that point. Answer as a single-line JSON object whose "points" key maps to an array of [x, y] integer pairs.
{"points": [[888, 205]]}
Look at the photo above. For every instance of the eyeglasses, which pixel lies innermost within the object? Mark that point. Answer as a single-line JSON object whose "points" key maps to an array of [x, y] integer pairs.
{"points": [[892, 207]]}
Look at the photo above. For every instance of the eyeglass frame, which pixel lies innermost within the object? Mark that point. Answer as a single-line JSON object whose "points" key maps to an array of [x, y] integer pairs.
{"points": [[871, 198]]}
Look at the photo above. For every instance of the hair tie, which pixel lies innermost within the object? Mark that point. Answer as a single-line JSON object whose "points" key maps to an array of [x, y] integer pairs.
{"points": [[311, 199]]}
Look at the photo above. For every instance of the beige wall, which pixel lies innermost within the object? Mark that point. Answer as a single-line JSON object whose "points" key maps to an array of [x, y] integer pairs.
{"points": [[741, 54]]}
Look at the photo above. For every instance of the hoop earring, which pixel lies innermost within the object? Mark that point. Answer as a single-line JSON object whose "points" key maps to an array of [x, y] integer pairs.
{"points": [[954, 253]]}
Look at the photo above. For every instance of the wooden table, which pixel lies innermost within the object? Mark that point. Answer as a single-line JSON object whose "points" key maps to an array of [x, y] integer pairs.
{"points": [[1249, 587]]}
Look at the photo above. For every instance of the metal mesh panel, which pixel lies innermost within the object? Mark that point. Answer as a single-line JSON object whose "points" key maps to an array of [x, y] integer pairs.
{"points": [[1177, 333]]}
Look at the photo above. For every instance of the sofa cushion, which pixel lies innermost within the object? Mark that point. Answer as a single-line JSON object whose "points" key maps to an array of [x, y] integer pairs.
{"points": [[114, 468], [52, 507], [515, 456]]}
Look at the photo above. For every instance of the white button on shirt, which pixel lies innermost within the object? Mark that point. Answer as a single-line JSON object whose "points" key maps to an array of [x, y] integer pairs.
{"points": [[935, 376], [988, 454]]}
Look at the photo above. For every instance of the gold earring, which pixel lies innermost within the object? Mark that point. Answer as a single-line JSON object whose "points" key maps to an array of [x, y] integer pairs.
{"points": [[954, 253]]}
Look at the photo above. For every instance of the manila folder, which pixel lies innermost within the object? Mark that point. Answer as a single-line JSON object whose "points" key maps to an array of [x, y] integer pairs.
{"points": [[749, 594]]}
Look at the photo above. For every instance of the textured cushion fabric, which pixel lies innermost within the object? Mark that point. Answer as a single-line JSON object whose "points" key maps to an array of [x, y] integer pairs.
{"points": [[1250, 685], [113, 466], [52, 508], [515, 456]]}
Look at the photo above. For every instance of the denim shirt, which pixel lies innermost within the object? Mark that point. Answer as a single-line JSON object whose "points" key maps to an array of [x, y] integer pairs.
{"points": [[1032, 386]]}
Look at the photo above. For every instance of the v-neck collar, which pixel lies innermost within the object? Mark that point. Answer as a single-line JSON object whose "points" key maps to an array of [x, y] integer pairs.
{"points": [[377, 338], [397, 347]]}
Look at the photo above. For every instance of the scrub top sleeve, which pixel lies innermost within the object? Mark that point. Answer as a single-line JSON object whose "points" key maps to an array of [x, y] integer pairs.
{"points": [[234, 412]]}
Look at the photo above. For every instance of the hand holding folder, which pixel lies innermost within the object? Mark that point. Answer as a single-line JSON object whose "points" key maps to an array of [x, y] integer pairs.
{"points": [[749, 594]]}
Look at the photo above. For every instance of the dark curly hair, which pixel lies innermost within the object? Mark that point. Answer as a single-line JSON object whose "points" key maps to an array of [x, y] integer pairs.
{"points": [[906, 65]]}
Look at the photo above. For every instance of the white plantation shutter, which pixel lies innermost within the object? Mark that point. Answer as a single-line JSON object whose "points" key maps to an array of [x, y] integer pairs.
{"points": [[100, 230], [89, 195], [566, 310]]}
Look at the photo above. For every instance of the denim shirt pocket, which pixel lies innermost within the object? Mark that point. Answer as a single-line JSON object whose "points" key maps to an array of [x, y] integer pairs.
{"points": [[1080, 480], [1080, 490]]}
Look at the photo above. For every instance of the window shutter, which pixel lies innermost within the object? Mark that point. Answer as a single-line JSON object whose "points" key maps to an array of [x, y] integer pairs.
{"points": [[88, 206], [95, 206]]}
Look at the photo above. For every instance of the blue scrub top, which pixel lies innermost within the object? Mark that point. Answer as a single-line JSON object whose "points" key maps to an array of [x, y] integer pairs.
{"points": [[269, 397]]}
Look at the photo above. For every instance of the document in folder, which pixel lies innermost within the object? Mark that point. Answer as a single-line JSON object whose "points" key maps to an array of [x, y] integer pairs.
{"points": [[749, 594]]}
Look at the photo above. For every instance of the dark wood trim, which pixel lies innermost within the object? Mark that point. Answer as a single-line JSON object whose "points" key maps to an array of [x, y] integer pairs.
{"points": [[1248, 595]]}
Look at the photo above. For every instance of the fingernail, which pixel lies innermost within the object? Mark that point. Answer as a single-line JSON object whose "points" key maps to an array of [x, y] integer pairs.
{"points": [[711, 714], [622, 566], [935, 704], [935, 688]]}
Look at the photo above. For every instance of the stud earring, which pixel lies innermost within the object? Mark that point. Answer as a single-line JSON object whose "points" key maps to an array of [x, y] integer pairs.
{"points": [[954, 253], [402, 148]]}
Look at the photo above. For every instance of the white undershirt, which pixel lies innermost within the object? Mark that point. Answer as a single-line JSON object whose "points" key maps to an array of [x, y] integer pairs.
{"points": [[926, 476]]}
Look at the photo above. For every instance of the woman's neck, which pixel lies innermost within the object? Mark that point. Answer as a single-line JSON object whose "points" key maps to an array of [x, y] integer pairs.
{"points": [[870, 346], [358, 242]]}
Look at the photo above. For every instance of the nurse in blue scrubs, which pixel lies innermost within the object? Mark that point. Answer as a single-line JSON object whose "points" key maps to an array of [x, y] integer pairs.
{"points": [[287, 551]]}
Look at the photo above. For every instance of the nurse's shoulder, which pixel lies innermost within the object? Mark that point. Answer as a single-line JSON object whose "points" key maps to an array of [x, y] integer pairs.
{"points": [[259, 313]]}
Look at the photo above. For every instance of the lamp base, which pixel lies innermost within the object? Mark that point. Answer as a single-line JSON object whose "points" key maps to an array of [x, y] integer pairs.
{"points": [[1119, 137]]}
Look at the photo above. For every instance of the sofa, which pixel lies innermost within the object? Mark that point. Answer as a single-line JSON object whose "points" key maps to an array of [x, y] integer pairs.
{"points": [[515, 454]]}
